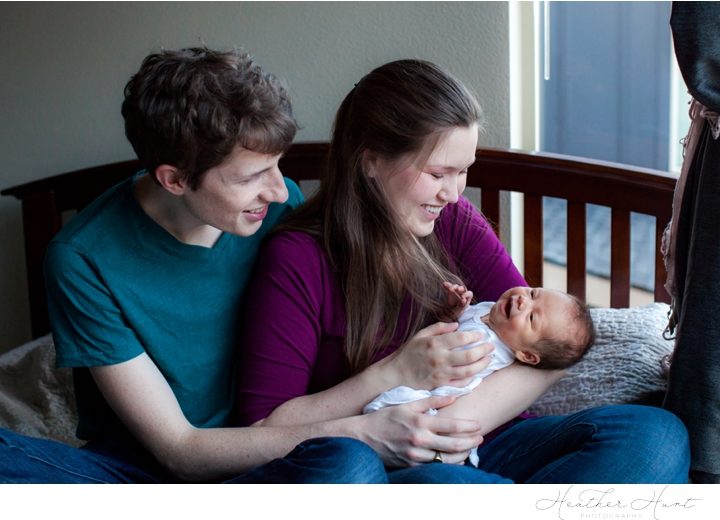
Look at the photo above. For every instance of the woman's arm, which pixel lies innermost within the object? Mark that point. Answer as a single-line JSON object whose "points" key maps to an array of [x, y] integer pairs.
{"points": [[294, 315], [411, 365], [281, 351], [503, 395]]}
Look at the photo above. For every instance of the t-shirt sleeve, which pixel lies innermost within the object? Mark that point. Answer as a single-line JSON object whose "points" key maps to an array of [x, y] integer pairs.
{"points": [[281, 326], [295, 195], [88, 326], [481, 259]]}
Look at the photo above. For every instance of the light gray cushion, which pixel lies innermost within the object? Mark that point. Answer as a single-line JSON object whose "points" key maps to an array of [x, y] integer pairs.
{"points": [[36, 398], [625, 364]]}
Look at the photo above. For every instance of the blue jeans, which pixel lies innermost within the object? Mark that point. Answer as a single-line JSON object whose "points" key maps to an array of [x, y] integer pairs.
{"points": [[623, 444], [609, 444], [324, 460]]}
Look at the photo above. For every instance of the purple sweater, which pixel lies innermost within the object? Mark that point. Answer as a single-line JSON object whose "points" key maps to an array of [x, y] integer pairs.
{"points": [[295, 320]]}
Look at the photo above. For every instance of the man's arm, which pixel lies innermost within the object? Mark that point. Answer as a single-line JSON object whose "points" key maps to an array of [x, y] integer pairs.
{"points": [[145, 403], [142, 399]]}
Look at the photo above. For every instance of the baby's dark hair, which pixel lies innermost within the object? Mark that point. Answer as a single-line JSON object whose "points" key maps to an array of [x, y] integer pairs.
{"points": [[190, 108], [556, 354]]}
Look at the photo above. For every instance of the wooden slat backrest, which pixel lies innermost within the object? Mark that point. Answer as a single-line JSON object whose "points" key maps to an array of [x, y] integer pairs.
{"points": [[576, 262], [620, 258], [580, 181], [533, 240], [576, 180], [490, 203]]}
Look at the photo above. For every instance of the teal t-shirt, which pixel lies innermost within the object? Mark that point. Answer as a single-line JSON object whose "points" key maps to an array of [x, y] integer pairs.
{"points": [[119, 285]]}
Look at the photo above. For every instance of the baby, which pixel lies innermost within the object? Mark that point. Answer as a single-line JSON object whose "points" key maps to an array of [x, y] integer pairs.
{"points": [[539, 327], [544, 328]]}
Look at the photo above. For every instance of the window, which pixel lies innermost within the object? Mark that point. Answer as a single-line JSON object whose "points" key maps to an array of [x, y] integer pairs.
{"points": [[606, 88]]}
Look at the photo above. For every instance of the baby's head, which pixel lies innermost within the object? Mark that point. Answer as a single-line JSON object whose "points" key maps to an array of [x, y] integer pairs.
{"points": [[544, 327]]}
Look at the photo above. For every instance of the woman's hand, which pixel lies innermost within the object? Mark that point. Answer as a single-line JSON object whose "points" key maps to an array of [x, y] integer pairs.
{"points": [[405, 435], [435, 357]]}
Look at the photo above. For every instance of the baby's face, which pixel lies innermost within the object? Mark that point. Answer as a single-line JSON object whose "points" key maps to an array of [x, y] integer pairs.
{"points": [[524, 315]]}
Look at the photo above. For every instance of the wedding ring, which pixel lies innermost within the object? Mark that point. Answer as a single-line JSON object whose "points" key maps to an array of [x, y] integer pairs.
{"points": [[437, 457]]}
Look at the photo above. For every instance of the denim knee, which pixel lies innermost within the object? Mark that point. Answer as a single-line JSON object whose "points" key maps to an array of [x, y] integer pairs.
{"points": [[444, 474], [657, 440], [667, 434], [323, 460], [353, 461]]}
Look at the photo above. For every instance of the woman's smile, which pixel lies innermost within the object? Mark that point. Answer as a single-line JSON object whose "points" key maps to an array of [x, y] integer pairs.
{"points": [[433, 211]]}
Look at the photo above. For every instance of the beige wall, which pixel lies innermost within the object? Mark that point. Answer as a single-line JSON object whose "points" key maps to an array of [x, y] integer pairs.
{"points": [[64, 67]]}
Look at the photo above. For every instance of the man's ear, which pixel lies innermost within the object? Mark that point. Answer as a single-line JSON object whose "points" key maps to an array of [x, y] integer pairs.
{"points": [[528, 357], [169, 177]]}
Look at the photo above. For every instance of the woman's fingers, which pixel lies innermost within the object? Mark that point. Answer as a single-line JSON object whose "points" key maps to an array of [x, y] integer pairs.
{"points": [[444, 425], [432, 456], [462, 373], [468, 347], [406, 435], [439, 355], [453, 438], [436, 329], [467, 360]]}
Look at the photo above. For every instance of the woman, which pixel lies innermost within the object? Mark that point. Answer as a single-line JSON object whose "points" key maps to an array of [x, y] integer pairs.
{"points": [[369, 255]]}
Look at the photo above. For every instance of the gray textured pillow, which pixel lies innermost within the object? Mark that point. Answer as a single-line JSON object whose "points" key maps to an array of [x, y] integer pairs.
{"points": [[36, 398], [624, 365]]}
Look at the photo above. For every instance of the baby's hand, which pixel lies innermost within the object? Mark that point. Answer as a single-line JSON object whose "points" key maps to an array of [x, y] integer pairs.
{"points": [[459, 298]]}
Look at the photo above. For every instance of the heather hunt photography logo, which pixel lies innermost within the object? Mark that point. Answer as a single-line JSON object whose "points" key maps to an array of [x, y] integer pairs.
{"points": [[627, 503]]}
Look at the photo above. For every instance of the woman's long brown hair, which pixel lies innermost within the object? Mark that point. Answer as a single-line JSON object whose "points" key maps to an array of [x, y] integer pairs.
{"points": [[398, 111]]}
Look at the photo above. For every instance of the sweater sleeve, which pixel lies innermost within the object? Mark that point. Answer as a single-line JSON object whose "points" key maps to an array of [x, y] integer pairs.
{"points": [[481, 259], [281, 331], [697, 49]]}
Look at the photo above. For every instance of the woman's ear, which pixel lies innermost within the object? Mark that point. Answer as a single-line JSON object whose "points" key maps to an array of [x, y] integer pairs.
{"points": [[369, 161], [527, 356], [169, 178]]}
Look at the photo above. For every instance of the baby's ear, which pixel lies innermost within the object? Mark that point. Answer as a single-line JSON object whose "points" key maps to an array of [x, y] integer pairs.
{"points": [[528, 357]]}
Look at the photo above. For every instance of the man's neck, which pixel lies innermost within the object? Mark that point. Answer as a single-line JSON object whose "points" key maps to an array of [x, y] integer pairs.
{"points": [[170, 213]]}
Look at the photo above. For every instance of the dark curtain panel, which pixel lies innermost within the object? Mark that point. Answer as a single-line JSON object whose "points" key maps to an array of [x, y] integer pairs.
{"points": [[694, 388]]}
